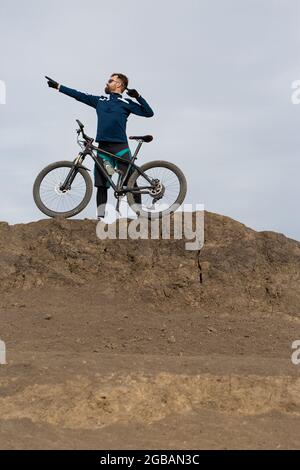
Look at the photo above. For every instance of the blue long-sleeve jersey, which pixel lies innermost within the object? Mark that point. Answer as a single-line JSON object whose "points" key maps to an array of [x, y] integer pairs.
{"points": [[112, 112]]}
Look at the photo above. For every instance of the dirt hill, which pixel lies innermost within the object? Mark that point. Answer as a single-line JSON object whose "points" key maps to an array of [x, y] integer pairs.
{"points": [[142, 343], [237, 267]]}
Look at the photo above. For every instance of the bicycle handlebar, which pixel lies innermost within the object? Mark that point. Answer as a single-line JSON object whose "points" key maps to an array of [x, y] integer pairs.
{"points": [[81, 127], [80, 124]]}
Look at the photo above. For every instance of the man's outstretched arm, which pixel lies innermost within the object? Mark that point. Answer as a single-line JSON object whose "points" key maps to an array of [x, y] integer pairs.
{"points": [[90, 100]]}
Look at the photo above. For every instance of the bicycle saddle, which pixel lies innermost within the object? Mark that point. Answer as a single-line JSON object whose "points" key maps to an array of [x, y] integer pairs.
{"points": [[144, 138]]}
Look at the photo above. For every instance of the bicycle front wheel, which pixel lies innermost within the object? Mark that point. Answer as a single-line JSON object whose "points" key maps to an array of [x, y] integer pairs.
{"points": [[167, 194], [56, 203]]}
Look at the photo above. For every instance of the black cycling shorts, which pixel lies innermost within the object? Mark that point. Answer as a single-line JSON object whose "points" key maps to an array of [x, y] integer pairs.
{"points": [[116, 148]]}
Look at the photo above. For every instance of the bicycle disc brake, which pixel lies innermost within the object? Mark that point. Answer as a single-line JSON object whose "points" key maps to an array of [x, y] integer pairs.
{"points": [[158, 192]]}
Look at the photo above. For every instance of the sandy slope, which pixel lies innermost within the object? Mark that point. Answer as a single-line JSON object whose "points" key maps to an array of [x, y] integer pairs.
{"points": [[142, 344]]}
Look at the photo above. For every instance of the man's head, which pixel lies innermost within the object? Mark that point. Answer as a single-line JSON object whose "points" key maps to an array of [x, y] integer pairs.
{"points": [[117, 83]]}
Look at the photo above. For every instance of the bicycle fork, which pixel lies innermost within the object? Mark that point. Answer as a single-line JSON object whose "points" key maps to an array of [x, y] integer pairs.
{"points": [[77, 163]]}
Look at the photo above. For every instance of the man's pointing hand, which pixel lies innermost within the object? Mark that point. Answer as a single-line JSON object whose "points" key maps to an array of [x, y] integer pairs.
{"points": [[52, 83]]}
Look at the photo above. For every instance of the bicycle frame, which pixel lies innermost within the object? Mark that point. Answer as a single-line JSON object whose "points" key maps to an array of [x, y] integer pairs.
{"points": [[118, 188]]}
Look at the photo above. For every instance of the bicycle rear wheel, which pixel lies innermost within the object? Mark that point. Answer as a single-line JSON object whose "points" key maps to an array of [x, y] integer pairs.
{"points": [[56, 203], [168, 195]]}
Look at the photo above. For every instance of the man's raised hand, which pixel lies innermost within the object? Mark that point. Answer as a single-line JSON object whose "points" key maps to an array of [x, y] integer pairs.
{"points": [[133, 93], [52, 83]]}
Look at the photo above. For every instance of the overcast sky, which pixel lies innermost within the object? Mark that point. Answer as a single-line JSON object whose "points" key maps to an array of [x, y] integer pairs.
{"points": [[217, 74]]}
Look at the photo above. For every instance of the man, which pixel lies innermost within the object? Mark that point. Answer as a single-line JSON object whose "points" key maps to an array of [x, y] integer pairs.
{"points": [[112, 112]]}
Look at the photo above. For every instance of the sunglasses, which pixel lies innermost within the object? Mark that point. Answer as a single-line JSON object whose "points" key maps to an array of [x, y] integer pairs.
{"points": [[111, 80]]}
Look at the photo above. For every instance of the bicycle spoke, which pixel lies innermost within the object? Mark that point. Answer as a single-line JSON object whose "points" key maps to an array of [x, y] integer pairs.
{"points": [[171, 185], [56, 200]]}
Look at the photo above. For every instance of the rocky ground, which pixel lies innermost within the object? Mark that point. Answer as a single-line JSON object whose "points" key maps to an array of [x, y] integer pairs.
{"points": [[144, 344]]}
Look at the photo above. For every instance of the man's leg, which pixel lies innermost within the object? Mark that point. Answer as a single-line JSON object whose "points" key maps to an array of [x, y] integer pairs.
{"points": [[123, 167], [137, 197], [101, 182], [102, 187], [101, 201]]}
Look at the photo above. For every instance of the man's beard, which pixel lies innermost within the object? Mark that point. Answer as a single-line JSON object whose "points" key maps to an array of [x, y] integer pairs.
{"points": [[107, 90]]}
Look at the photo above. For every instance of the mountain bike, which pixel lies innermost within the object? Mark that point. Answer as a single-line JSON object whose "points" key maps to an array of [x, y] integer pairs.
{"points": [[64, 188]]}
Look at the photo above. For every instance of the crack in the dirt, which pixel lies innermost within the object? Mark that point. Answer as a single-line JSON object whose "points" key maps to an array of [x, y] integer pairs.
{"points": [[199, 266]]}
